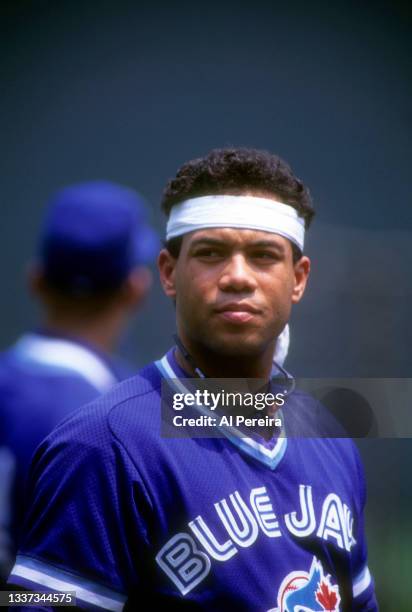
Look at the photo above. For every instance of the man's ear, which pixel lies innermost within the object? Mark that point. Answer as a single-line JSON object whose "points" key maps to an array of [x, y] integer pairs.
{"points": [[35, 280], [167, 269], [137, 286], [301, 271]]}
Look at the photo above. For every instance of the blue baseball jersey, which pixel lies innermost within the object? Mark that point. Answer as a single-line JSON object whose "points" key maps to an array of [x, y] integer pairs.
{"points": [[122, 515], [43, 378]]}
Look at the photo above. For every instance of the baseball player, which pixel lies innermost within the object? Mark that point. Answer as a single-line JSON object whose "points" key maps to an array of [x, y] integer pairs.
{"points": [[89, 277], [129, 519]]}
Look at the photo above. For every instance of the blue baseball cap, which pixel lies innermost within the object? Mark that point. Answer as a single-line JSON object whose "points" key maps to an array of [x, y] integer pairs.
{"points": [[94, 233]]}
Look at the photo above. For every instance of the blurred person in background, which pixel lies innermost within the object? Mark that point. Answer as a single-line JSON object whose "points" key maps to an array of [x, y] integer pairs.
{"points": [[89, 277]]}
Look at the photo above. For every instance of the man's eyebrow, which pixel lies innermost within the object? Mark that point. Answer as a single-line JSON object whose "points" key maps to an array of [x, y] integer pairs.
{"points": [[267, 243], [211, 241], [224, 242]]}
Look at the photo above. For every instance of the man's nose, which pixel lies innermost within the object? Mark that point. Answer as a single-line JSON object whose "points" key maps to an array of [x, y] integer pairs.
{"points": [[237, 275]]}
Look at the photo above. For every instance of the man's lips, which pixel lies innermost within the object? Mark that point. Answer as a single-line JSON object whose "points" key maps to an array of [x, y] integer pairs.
{"points": [[237, 312]]}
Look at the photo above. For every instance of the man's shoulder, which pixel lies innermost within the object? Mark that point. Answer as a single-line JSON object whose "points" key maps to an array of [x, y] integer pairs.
{"points": [[31, 392], [132, 407], [306, 418], [128, 408], [24, 365], [7, 364]]}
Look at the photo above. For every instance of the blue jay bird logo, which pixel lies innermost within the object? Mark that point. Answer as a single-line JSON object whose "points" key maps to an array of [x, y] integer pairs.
{"points": [[311, 591]]}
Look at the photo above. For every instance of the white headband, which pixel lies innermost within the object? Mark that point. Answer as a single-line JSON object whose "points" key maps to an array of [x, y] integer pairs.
{"points": [[245, 212]]}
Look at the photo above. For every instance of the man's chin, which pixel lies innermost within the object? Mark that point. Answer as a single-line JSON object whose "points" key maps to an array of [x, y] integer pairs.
{"points": [[237, 347]]}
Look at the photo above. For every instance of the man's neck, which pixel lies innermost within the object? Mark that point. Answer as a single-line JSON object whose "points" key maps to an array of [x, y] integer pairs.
{"points": [[218, 366], [214, 365]]}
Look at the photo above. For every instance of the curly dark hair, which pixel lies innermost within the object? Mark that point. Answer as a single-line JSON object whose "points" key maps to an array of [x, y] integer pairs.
{"points": [[234, 171]]}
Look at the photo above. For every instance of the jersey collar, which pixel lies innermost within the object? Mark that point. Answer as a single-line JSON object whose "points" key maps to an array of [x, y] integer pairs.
{"points": [[56, 354], [268, 452]]}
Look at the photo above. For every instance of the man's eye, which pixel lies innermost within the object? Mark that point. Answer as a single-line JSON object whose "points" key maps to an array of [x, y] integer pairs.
{"points": [[208, 253], [265, 255]]}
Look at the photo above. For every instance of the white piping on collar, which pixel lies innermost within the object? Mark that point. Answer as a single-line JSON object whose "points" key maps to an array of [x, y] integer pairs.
{"points": [[270, 457]]}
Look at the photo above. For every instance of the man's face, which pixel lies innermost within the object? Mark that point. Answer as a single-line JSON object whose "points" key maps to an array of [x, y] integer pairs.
{"points": [[233, 288]]}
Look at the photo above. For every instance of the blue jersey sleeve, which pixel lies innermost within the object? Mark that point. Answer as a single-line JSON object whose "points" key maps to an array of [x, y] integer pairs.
{"points": [[86, 530], [7, 471], [362, 582]]}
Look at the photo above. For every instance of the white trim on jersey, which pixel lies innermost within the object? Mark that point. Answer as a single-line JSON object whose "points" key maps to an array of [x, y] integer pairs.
{"points": [[270, 457], [361, 582], [56, 353], [38, 572]]}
